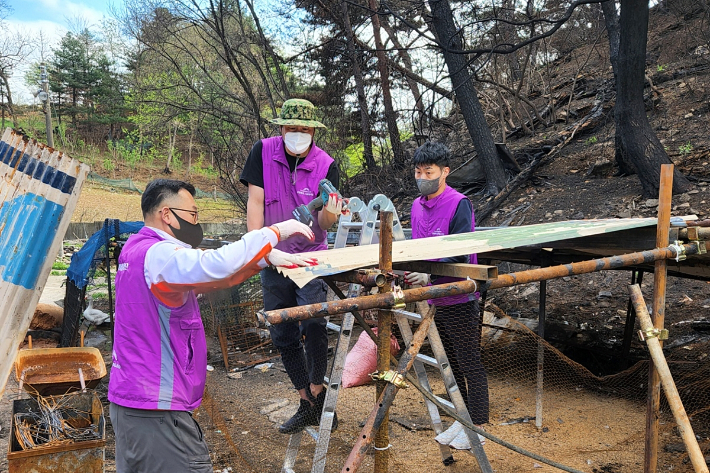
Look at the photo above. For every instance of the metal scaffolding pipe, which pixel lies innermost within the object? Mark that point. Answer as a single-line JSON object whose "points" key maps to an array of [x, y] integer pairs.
{"points": [[365, 277], [651, 336], [384, 330], [391, 299], [379, 413]]}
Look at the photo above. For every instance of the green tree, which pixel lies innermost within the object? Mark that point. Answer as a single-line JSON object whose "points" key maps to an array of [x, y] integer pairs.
{"points": [[87, 86]]}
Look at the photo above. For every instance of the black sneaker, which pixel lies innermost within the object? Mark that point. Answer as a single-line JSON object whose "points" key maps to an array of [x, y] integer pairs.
{"points": [[300, 420], [318, 402]]}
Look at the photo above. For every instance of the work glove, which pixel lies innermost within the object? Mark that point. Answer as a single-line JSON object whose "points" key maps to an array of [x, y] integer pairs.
{"points": [[292, 227], [335, 205], [417, 279], [286, 260]]}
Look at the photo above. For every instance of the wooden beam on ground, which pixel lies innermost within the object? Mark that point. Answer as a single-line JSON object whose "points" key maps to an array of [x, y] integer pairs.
{"points": [[479, 272]]}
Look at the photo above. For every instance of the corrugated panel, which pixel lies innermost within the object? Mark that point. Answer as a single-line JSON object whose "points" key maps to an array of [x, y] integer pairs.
{"points": [[345, 259], [39, 188]]}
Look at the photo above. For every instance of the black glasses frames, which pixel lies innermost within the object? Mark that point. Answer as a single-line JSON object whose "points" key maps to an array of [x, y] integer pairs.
{"points": [[194, 213]]}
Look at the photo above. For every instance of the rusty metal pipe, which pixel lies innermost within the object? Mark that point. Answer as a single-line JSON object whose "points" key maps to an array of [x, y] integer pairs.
{"points": [[601, 264], [698, 223], [379, 412], [384, 331], [659, 361], [694, 233], [660, 273], [390, 299], [364, 277]]}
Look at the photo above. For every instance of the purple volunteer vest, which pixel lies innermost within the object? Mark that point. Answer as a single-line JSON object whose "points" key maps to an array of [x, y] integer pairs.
{"points": [[159, 353], [431, 218], [282, 196]]}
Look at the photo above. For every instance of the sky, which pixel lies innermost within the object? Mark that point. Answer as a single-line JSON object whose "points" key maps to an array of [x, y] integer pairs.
{"points": [[53, 18]]}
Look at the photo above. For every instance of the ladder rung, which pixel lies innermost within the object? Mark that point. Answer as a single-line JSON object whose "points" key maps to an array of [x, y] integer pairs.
{"points": [[351, 224], [333, 327], [445, 402], [428, 360], [409, 315], [312, 432]]}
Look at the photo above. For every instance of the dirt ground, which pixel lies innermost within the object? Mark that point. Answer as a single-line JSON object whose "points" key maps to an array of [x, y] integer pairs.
{"points": [[582, 430]]}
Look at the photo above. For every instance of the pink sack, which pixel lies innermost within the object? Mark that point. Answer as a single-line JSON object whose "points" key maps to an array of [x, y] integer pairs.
{"points": [[362, 360]]}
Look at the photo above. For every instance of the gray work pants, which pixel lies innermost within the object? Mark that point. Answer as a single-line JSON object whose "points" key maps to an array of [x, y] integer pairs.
{"points": [[158, 441]]}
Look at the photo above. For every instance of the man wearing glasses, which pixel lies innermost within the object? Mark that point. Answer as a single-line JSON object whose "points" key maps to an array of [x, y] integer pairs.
{"points": [[159, 360]]}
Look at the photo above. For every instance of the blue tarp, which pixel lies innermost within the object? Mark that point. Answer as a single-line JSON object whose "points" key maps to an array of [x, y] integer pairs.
{"points": [[84, 262]]}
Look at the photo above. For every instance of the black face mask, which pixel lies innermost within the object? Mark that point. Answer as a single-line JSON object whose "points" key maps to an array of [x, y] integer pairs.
{"points": [[190, 233]]}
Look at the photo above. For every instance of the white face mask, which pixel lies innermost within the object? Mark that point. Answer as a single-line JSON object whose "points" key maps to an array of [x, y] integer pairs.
{"points": [[297, 142]]}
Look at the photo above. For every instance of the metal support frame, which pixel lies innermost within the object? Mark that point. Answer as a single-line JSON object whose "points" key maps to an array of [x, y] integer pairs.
{"points": [[389, 300], [659, 314], [373, 278]]}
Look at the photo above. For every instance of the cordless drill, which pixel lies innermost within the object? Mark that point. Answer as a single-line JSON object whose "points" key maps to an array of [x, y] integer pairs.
{"points": [[304, 213]]}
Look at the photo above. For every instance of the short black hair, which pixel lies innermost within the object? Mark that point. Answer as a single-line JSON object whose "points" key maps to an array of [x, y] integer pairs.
{"points": [[432, 152], [160, 189]]}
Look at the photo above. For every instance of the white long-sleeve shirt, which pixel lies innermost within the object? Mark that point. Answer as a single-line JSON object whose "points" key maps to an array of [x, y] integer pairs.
{"points": [[173, 268]]}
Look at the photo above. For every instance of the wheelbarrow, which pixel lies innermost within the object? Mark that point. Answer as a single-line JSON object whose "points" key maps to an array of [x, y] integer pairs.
{"points": [[53, 371]]}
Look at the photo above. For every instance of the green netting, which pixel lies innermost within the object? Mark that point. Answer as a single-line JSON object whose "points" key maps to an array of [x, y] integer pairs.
{"points": [[129, 185], [126, 184], [200, 194]]}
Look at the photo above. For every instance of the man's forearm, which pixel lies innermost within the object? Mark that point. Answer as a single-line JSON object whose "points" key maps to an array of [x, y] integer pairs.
{"points": [[326, 219], [255, 215]]}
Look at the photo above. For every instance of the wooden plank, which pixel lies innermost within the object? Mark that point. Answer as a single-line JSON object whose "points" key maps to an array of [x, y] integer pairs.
{"points": [[344, 259], [479, 272]]}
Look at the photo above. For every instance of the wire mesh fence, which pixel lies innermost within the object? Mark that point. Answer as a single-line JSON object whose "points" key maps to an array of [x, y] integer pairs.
{"points": [[229, 315]]}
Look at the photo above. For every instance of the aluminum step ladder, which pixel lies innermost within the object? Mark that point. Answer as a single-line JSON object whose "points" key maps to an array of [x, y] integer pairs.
{"points": [[368, 225], [441, 362]]}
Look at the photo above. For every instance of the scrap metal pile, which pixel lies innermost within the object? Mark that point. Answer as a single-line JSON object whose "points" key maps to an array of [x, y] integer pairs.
{"points": [[58, 420]]}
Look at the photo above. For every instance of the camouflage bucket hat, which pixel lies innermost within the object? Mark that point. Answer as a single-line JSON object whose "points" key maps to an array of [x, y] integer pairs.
{"points": [[298, 112]]}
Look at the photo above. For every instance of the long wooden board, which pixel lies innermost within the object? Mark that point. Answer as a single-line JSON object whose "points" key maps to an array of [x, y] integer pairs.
{"points": [[345, 259]]}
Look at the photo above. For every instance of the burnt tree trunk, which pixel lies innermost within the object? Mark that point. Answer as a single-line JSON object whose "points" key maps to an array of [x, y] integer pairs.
{"points": [[420, 121], [637, 145], [611, 21], [360, 87], [383, 67], [445, 30]]}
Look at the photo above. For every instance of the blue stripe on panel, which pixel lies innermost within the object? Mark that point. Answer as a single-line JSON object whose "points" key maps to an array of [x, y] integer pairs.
{"points": [[4, 147], [49, 174], [68, 184], [14, 157], [36, 169], [29, 222], [39, 170], [31, 165], [167, 366], [23, 162], [7, 154]]}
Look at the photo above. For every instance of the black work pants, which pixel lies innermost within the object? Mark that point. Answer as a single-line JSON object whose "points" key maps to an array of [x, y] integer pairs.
{"points": [[303, 345], [460, 327]]}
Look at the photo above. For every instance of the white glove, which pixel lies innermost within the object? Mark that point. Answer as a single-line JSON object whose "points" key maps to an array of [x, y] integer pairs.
{"points": [[417, 279], [286, 260], [292, 227], [335, 204]]}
